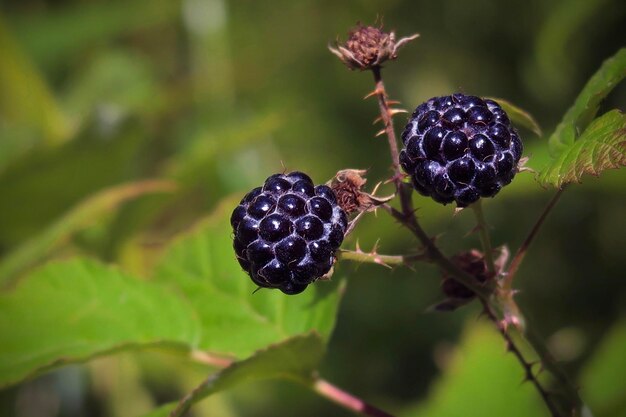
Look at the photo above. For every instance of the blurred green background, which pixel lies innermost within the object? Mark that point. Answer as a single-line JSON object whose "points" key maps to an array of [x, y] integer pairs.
{"points": [[217, 95]]}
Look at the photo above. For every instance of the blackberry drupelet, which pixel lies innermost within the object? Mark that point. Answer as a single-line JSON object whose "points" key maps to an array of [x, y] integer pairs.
{"points": [[287, 232], [460, 148]]}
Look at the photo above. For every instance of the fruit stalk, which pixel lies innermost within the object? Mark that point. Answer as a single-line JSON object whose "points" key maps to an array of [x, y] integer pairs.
{"points": [[483, 232]]}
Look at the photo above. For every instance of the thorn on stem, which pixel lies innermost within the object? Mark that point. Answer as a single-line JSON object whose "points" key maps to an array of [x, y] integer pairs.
{"points": [[376, 92]]}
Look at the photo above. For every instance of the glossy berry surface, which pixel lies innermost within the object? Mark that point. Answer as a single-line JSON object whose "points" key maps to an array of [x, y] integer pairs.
{"points": [[287, 232], [460, 148]]}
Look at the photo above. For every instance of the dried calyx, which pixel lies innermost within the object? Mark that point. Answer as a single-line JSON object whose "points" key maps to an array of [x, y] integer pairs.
{"points": [[347, 185], [368, 47], [457, 294]]}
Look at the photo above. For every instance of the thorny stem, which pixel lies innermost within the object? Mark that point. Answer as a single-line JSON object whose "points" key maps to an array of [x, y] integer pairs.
{"points": [[494, 309], [346, 400], [548, 362], [513, 348], [386, 117], [434, 255], [483, 232], [521, 252], [407, 215], [376, 258]]}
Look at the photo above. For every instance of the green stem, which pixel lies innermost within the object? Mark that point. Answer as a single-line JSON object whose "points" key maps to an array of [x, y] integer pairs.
{"points": [[523, 249], [483, 232], [376, 258]]}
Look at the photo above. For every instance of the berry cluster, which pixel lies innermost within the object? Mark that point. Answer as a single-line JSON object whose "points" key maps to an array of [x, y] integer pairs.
{"points": [[287, 232], [460, 148]]}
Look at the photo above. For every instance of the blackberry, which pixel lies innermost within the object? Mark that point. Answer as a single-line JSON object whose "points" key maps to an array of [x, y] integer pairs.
{"points": [[457, 294], [460, 148], [287, 232]]}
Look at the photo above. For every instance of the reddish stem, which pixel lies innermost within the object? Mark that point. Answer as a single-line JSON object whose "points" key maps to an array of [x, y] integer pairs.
{"points": [[347, 400], [386, 117]]}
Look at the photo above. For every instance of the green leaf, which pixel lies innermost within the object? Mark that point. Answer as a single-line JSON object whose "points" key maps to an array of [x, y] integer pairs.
{"points": [[116, 81], [65, 175], [578, 117], [602, 379], [25, 98], [235, 319], [71, 311], [602, 146], [519, 116], [80, 217], [54, 37], [295, 359], [162, 411], [481, 379]]}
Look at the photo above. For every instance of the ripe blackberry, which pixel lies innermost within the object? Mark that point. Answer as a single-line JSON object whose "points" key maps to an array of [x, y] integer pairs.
{"points": [[287, 232], [460, 148]]}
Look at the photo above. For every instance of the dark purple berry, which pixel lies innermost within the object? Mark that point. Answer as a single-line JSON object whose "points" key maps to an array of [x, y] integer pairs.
{"points": [[287, 232], [252, 195], [479, 114], [276, 184], [481, 147], [500, 134], [260, 252], [460, 148], [310, 227], [454, 145], [275, 273], [291, 205], [291, 249], [247, 231], [291, 288], [326, 192], [432, 143], [237, 216], [454, 117], [304, 188], [462, 170], [321, 208], [299, 176], [261, 206], [275, 227], [320, 250], [406, 160], [427, 120], [413, 149]]}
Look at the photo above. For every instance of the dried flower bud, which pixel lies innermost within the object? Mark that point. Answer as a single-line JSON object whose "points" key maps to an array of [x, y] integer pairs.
{"points": [[347, 185], [368, 47]]}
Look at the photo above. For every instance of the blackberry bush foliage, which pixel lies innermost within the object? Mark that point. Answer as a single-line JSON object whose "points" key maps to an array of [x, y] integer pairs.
{"points": [[287, 232], [286, 235], [460, 148]]}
